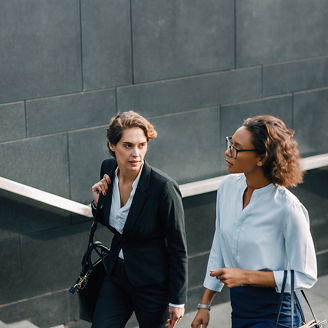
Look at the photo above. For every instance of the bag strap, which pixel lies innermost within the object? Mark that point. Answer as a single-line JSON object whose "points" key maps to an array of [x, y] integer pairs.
{"points": [[293, 297], [281, 296], [302, 291], [94, 223], [292, 293]]}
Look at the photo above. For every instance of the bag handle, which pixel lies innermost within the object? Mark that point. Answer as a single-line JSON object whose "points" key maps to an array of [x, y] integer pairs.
{"points": [[293, 297], [94, 223], [281, 296]]}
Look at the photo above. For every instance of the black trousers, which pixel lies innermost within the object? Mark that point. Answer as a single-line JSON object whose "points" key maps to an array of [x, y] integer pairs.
{"points": [[118, 299]]}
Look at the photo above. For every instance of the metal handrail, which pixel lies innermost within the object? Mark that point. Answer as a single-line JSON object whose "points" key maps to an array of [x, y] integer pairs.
{"points": [[187, 190]]}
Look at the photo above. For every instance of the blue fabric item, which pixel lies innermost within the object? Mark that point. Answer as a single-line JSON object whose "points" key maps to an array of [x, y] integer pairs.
{"points": [[257, 307]]}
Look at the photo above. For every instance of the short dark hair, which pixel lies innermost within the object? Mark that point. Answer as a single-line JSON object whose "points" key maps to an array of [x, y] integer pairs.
{"points": [[276, 142], [126, 120]]}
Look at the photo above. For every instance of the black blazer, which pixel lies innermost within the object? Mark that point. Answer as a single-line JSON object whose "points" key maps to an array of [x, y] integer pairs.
{"points": [[153, 238]]}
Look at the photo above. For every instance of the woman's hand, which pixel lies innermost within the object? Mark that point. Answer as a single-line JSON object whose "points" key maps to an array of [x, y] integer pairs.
{"points": [[231, 277], [100, 187], [175, 313], [201, 319]]}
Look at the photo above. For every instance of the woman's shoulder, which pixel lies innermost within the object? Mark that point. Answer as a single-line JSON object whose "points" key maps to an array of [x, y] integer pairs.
{"points": [[286, 197], [160, 176], [289, 203], [107, 164]]}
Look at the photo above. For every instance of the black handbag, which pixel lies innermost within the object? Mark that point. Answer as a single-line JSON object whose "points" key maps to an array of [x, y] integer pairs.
{"points": [[92, 274], [293, 296]]}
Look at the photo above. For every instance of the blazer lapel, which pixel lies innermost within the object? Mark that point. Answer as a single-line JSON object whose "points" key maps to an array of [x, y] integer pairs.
{"points": [[139, 198]]}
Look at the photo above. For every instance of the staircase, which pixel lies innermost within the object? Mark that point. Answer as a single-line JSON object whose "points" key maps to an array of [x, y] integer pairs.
{"points": [[23, 324]]}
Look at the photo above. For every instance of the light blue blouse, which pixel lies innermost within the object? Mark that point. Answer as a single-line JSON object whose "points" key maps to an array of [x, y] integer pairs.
{"points": [[271, 233]]}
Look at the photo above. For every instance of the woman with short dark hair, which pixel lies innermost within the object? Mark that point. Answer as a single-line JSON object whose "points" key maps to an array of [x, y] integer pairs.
{"points": [[262, 229], [147, 262]]}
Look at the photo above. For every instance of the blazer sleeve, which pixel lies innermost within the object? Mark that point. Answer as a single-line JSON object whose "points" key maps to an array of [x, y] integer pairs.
{"points": [[171, 210]]}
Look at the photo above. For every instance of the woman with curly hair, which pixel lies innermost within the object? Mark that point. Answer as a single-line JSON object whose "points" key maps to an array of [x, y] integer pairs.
{"points": [[262, 229]]}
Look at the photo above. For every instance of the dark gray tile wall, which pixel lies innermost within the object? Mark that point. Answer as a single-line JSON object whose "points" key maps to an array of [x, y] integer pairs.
{"points": [[189, 139], [276, 31], [153, 99], [11, 275], [200, 222], [179, 38], [106, 43], [45, 310], [310, 121], [12, 121], [72, 112], [295, 76], [195, 69], [87, 150], [40, 162], [40, 49]]}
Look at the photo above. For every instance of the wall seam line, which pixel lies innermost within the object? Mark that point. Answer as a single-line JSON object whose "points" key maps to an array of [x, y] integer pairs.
{"points": [[235, 33], [69, 168], [25, 113], [131, 38], [81, 46], [293, 95], [262, 81]]}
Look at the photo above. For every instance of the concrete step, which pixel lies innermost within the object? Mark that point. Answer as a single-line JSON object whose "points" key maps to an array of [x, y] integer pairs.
{"points": [[21, 324], [2, 324]]}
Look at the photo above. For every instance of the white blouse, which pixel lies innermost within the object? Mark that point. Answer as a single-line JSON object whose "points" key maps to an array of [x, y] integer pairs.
{"points": [[118, 214], [271, 233]]}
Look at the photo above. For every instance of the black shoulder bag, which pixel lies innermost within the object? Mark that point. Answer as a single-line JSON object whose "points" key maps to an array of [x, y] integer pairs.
{"points": [[93, 272], [314, 323]]}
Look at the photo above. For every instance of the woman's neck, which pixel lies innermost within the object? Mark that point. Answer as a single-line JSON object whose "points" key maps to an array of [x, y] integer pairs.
{"points": [[127, 177], [256, 181]]}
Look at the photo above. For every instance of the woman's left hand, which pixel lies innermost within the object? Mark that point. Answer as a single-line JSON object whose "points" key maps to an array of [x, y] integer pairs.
{"points": [[176, 313], [231, 277]]}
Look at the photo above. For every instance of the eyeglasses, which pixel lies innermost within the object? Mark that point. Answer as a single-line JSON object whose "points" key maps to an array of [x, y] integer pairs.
{"points": [[234, 150]]}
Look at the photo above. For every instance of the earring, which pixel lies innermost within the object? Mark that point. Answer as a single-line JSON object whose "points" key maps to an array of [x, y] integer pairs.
{"points": [[259, 163]]}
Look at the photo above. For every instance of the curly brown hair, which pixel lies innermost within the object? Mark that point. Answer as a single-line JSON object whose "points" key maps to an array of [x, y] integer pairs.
{"points": [[276, 142], [126, 120]]}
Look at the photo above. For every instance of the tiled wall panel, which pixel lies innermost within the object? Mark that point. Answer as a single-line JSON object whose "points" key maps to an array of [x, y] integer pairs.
{"points": [[178, 38], [189, 139], [40, 162], [200, 222], [11, 276], [12, 121], [106, 43], [153, 99], [40, 48], [281, 30], [45, 311], [310, 121], [295, 76], [64, 113], [87, 150]]}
